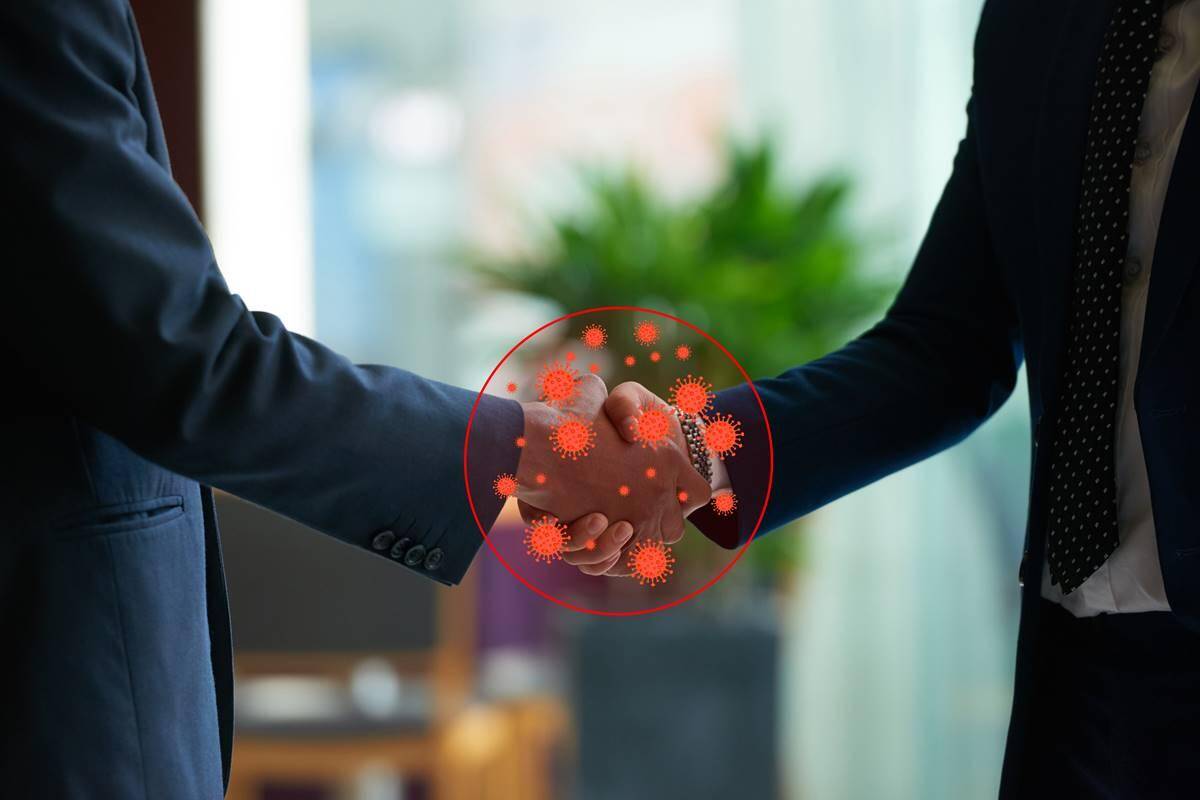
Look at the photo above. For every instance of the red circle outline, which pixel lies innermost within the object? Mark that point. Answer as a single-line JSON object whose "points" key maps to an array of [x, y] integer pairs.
{"points": [[695, 592]]}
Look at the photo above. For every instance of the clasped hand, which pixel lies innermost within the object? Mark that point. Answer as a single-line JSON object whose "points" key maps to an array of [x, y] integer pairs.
{"points": [[621, 490]]}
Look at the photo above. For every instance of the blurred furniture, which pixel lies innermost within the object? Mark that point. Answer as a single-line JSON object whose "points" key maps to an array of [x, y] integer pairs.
{"points": [[352, 673]]}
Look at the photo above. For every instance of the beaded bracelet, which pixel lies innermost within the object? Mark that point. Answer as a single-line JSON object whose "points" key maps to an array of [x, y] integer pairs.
{"points": [[693, 434]]}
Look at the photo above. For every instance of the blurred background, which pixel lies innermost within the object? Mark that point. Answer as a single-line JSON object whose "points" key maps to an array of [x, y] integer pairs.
{"points": [[421, 184]]}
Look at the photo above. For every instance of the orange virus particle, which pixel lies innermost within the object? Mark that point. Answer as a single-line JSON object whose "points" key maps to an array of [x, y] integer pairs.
{"points": [[545, 539], [683, 496], [691, 395], [651, 472], [722, 435], [724, 503], [652, 426], [505, 485], [520, 442], [540, 479], [572, 437], [630, 361], [623, 490], [683, 352], [594, 337], [570, 356], [645, 333], [651, 562], [655, 356], [593, 367], [511, 387], [557, 384], [591, 545]]}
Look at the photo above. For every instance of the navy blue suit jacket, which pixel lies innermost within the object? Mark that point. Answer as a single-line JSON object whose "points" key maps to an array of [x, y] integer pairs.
{"points": [[134, 381], [988, 290]]}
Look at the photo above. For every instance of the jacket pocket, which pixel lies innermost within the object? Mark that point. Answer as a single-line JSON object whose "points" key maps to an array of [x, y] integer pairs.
{"points": [[122, 517]]}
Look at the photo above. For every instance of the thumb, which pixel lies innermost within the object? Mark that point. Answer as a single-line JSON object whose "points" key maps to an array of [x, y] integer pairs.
{"points": [[623, 405]]}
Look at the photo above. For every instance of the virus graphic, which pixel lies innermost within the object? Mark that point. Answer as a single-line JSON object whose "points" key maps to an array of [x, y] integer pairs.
{"points": [[572, 437], [653, 425], [570, 356], [655, 356], [520, 442], [645, 333], [623, 490], [722, 435], [594, 337], [591, 545], [630, 361], [505, 485], [540, 479], [651, 562], [683, 352], [724, 503], [683, 496], [651, 473], [594, 368], [511, 387], [557, 384], [545, 539], [691, 395]]}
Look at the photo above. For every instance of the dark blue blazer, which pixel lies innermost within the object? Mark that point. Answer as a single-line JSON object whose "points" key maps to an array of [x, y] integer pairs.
{"points": [[133, 381], [988, 290]]}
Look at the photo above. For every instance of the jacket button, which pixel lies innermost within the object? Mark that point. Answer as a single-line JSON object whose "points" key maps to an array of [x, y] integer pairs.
{"points": [[383, 540], [434, 559], [415, 555], [401, 547]]}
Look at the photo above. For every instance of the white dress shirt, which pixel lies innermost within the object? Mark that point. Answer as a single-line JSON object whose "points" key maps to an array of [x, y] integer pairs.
{"points": [[1131, 579]]}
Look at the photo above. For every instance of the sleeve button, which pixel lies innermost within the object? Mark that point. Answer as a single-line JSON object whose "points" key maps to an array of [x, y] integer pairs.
{"points": [[434, 559], [415, 555], [400, 547], [383, 540]]}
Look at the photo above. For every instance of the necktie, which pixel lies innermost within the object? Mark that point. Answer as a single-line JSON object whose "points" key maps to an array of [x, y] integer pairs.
{"points": [[1082, 520]]}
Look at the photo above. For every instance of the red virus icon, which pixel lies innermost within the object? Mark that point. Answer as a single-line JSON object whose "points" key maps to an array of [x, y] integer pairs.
{"points": [[651, 473], [651, 562], [655, 356], [722, 435], [505, 485], [652, 426], [691, 395], [594, 337], [645, 333], [520, 441], [630, 361], [511, 387], [724, 503], [593, 368], [591, 545], [683, 496], [545, 539], [540, 479], [570, 356], [683, 352], [572, 437], [623, 490], [557, 384]]}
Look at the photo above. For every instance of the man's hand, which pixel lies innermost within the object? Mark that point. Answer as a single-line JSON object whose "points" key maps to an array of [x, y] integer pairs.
{"points": [[617, 479]]}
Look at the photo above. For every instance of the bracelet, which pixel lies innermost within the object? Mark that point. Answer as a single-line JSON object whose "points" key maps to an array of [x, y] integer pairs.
{"points": [[693, 434]]}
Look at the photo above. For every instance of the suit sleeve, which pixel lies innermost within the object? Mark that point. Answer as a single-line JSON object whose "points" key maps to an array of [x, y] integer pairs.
{"points": [[114, 301], [942, 360]]}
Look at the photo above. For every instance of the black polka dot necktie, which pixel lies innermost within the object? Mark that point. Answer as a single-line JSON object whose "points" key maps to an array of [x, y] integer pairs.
{"points": [[1082, 520]]}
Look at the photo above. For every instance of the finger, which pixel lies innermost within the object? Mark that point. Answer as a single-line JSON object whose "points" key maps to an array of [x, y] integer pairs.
{"points": [[600, 569], [582, 533], [604, 547], [695, 489], [591, 393], [620, 567], [672, 524], [529, 513], [623, 405]]}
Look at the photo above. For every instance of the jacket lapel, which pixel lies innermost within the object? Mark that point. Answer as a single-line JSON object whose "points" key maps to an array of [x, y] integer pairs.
{"points": [[1058, 164], [1177, 250]]}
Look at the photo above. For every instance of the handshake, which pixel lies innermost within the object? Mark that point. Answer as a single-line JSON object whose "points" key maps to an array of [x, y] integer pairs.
{"points": [[616, 467]]}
